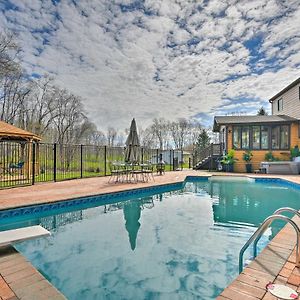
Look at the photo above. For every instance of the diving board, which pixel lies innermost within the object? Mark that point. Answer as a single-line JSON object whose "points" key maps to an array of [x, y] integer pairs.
{"points": [[22, 234]]}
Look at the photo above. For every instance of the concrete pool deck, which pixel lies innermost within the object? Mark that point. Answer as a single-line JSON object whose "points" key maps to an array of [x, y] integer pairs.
{"points": [[276, 263]]}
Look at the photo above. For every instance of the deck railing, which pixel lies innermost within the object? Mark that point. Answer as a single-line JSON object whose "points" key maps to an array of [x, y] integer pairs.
{"points": [[212, 150]]}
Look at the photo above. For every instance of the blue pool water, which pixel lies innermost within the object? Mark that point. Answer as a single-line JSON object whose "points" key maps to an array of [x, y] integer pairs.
{"points": [[174, 242]]}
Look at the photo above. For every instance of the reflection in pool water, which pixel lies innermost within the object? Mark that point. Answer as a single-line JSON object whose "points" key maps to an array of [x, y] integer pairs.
{"points": [[176, 245]]}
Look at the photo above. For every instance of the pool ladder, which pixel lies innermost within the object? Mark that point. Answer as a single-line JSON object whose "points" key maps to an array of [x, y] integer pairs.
{"points": [[263, 227]]}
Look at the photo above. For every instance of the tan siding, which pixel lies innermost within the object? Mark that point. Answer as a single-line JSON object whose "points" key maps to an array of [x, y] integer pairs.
{"points": [[291, 103], [259, 155]]}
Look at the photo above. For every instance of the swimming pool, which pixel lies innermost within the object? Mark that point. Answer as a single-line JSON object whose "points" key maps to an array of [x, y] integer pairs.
{"points": [[177, 241]]}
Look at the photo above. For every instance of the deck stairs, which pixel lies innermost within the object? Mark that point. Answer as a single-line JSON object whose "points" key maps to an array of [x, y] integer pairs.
{"points": [[206, 159]]}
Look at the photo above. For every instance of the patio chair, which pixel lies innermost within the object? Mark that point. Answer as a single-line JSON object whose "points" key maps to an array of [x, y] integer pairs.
{"points": [[160, 168], [148, 171], [15, 167], [115, 172]]}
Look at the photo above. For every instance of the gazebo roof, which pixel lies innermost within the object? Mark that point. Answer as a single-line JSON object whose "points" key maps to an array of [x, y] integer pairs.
{"points": [[11, 132]]}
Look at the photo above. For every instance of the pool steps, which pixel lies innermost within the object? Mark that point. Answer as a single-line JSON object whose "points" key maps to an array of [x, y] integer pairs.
{"points": [[22, 234], [263, 227]]}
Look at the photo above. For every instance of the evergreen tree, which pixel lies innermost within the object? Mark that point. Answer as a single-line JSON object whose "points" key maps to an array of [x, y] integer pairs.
{"points": [[203, 140], [262, 112]]}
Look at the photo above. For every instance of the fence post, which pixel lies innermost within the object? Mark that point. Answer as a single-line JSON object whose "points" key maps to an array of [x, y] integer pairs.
{"points": [[190, 162], [173, 156], [211, 157], [33, 163], [157, 156], [170, 160], [104, 160], [54, 162], [182, 160], [142, 153], [81, 161]]}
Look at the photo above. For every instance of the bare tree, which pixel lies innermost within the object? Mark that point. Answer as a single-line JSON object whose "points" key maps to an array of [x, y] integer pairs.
{"points": [[8, 53], [14, 91], [42, 106], [160, 130], [111, 136], [179, 131], [68, 116]]}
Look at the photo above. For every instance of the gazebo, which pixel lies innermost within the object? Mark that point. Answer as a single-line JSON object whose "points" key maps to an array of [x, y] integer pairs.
{"points": [[16, 147]]}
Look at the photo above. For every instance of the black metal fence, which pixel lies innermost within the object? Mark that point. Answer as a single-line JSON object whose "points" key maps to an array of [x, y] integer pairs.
{"points": [[24, 163]]}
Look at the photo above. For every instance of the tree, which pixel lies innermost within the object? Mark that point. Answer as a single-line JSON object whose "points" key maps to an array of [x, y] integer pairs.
{"points": [[68, 116], [203, 140], [14, 91], [179, 131], [160, 129], [262, 112], [111, 136], [8, 53]]}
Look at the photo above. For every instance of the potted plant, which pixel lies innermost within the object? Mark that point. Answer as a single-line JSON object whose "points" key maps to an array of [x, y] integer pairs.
{"points": [[269, 156], [247, 156], [228, 160], [295, 152]]}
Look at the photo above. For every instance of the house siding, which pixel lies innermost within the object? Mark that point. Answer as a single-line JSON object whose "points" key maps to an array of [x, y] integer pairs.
{"points": [[291, 103], [259, 155]]}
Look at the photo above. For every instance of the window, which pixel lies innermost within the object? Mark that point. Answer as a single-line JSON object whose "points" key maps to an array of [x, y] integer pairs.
{"points": [[256, 137], [275, 137], [284, 137], [280, 104], [245, 137], [261, 137], [236, 138], [264, 137]]}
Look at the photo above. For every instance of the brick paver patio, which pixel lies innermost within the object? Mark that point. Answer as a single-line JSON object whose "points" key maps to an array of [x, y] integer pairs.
{"points": [[20, 280]]}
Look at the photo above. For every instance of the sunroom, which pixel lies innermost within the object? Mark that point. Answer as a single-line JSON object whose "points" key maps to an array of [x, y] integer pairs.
{"points": [[259, 134]]}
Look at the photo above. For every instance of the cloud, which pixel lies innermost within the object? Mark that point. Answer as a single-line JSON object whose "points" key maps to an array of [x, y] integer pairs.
{"points": [[169, 59]]}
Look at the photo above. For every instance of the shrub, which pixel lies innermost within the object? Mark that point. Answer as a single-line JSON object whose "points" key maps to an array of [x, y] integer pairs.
{"points": [[269, 156], [295, 152]]}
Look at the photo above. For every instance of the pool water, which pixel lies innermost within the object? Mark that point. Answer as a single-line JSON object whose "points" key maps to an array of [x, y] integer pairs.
{"points": [[182, 244]]}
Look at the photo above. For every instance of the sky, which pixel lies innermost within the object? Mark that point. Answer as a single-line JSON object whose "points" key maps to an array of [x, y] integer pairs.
{"points": [[160, 58]]}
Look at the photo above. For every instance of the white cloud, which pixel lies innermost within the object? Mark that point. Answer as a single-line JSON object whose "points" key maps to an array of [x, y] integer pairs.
{"points": [[166, 58]]}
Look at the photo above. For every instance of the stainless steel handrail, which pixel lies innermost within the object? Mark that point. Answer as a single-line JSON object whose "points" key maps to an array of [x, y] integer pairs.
{"points": [[276, 212], [266, 223]]}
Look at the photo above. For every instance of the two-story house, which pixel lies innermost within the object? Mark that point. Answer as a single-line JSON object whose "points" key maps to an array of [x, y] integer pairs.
{"points": [[277, 133]]}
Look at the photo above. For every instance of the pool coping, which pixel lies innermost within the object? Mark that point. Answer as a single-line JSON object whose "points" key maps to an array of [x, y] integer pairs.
{"points": [[250, 284]]}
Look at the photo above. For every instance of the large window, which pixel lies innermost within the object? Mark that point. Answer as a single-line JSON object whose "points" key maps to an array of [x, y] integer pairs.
{"points": [[256, 137], [284, 137], [275, 140], [237, 137], [261, 137], [264, 137]]}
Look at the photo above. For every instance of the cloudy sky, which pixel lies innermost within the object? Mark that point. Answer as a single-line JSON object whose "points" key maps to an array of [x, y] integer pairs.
{"points": [[160, 58]]}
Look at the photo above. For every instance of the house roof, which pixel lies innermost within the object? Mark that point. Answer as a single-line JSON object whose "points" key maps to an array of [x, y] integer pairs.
{"points": [[8, 132], [227, 120], [284, 90]]}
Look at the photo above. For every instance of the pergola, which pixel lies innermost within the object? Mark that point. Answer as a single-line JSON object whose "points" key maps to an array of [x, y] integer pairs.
{"points": [[13, 138]]}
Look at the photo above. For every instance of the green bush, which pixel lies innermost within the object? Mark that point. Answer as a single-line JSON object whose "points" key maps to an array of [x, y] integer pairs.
{"points": [[269, 156], [295, 152]]}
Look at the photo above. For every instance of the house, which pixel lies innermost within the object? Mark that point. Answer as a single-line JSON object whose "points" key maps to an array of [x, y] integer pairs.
{"points": [[277, 133]]}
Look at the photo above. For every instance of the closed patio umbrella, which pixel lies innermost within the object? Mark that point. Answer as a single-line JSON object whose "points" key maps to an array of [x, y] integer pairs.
{"points": [[132, 152]]}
